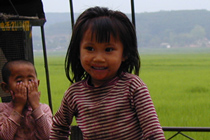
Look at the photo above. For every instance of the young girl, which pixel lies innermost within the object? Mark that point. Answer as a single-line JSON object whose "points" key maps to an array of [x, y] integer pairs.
{"points": [[107, 100]]}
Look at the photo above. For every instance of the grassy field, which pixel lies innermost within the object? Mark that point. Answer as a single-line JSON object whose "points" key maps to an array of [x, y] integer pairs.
{"points": [[179, 83], [178, 80]]}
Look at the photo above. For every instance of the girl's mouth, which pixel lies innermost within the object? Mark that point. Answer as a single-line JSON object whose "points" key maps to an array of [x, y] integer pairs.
{"points": [[99, 68]]}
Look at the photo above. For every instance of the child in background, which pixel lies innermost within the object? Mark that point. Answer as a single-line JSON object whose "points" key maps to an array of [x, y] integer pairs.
{"points": [[108, 101], [24, 117]]}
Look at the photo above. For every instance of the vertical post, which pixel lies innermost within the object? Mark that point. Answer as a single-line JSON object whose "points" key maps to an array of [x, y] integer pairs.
{"points": [[133, 13], [46, 67], [76, 133], [72, 13]]}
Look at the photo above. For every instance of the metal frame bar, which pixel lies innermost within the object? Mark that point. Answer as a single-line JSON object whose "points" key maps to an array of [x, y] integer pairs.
{"points": [[189, 129], [133, 13], [46, 68], [72, 13], [185, 129]]}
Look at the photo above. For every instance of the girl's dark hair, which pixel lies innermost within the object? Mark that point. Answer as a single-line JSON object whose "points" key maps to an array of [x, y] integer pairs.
{"points": [[103, 23]]}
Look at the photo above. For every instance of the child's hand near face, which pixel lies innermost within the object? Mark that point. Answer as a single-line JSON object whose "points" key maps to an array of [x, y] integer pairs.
{"points": [[33, 94], [19, 97]]}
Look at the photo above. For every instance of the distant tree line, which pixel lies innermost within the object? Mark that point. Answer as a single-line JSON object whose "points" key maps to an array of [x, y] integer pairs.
{"points": [[176, 28], [186, 28]]}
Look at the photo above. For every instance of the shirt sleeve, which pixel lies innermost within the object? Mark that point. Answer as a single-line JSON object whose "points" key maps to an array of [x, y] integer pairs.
{"points": [[9, 123], [43, 119], [62, 121], [147, 115]]}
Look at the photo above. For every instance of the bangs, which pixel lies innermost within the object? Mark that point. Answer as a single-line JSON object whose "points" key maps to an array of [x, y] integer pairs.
{"points": [[102, 28]]}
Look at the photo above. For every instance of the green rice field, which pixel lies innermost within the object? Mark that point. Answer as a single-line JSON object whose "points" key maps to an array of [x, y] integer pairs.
{"points": [[178, 80]]}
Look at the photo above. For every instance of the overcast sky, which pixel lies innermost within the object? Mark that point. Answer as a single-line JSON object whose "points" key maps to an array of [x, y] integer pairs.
{"points": [[124, 5]]}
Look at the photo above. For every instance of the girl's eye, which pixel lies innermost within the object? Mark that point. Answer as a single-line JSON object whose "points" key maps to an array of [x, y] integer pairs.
{"points": [[90, 48], [109, 49], [30, 80], [19, 81]]}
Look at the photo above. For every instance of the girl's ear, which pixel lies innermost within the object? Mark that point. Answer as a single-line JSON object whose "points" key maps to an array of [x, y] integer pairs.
{"points": [[38, 82], [5, 87]]}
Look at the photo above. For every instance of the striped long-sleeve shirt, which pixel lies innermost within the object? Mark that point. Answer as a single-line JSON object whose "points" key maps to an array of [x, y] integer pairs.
{"points": [[121, 109]]}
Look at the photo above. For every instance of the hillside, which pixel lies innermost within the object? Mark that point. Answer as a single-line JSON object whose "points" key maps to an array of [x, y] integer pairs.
{"points": [[177, 28], [188, 28]]}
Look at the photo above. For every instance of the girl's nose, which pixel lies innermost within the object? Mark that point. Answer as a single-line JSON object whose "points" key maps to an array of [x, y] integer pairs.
{"points": [[99, 57]]}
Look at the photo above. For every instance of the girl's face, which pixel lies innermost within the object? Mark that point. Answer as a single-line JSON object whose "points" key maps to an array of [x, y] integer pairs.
{"points": [[100, 60]]}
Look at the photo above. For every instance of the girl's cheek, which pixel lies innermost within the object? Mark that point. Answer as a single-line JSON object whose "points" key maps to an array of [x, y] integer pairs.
{"points": [[85, 59]]}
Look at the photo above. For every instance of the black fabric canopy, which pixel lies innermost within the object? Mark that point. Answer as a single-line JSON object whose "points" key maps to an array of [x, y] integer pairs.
{"points": [[22, 8]]}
